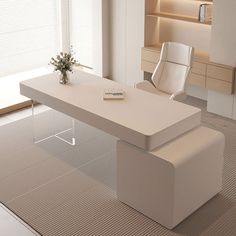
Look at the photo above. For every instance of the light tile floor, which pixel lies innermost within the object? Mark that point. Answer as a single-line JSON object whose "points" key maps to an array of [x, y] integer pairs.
{"points": [[11, 225], [20, 114], [97, 162]]}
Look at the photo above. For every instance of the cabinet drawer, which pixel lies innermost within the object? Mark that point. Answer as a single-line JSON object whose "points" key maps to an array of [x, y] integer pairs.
{"points": [[199, 68], [198, 80], [219, 85], [148, 66], [220, 73], [150, 55]]}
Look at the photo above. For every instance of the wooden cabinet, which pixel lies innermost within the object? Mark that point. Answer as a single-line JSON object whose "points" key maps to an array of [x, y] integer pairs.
{"points": [[219, 86], [196, 79], [148, 66], [199, 68], [220, 73], [177, 20], [150, 57], [220, 79]]}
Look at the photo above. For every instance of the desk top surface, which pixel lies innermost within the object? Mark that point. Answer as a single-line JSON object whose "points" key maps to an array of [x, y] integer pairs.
{"points": [[145, 113]]}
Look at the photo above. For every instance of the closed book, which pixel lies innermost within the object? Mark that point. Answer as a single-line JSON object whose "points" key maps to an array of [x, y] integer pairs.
{"points": [[205, 13], [201, 17], [113, 94], [208, 12]]}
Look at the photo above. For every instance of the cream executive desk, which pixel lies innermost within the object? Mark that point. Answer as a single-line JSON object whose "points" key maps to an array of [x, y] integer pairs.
{"points": [[142, 119], [167, 164]]}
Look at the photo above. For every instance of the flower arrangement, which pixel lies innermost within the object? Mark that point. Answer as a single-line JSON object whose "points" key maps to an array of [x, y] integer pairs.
{"points": [[63, 62]]}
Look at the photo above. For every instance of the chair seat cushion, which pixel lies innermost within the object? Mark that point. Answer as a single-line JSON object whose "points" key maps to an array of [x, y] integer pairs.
{"points": [[148, 87]]}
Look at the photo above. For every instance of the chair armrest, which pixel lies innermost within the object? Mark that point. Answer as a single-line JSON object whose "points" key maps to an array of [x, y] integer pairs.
{"points": [[146, 86], [178, 96]]}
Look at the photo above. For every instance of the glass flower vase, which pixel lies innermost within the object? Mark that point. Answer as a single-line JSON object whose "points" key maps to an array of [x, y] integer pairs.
{"points": [[64, 79]]}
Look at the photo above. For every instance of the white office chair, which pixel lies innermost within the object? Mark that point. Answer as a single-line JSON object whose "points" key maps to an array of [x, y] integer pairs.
{"points": [[171, 72]]}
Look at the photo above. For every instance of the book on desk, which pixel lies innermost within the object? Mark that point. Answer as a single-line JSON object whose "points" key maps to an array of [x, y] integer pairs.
{"points": [[113, 94]]}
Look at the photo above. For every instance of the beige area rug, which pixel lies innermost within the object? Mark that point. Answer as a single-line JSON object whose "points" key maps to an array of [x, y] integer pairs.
{"points": [[65, 196]]}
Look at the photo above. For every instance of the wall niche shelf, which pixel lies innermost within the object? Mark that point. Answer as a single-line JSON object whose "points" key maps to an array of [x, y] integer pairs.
{"points": [[205, 74], [177, 17]]}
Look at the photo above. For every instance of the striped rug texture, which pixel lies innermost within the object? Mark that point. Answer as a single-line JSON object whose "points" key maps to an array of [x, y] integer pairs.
{"points": [[60, 199]]}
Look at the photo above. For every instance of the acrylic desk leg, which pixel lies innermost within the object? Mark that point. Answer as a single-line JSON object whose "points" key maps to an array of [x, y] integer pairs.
{"points": [[53, 133]]}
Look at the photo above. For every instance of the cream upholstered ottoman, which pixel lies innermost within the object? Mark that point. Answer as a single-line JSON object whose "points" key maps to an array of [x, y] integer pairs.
{"points": [[174, 180]]}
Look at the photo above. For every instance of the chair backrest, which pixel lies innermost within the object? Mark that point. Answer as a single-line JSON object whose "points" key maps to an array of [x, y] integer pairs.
{"points": [[173, 67]]}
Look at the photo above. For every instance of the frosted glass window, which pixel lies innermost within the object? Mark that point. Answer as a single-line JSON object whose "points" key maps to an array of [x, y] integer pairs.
{"points": [[29, 34], [81, 30]]}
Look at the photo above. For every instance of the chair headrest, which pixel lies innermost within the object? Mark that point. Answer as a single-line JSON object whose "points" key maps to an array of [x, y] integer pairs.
{"points": [[177, 53]]}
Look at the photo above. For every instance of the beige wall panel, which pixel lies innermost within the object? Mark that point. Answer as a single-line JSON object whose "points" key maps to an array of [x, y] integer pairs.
{"points": [[220, 103], [134, 40], [151, 31], [152, 6], [223, 40], [196, 35], [127, 39]]}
